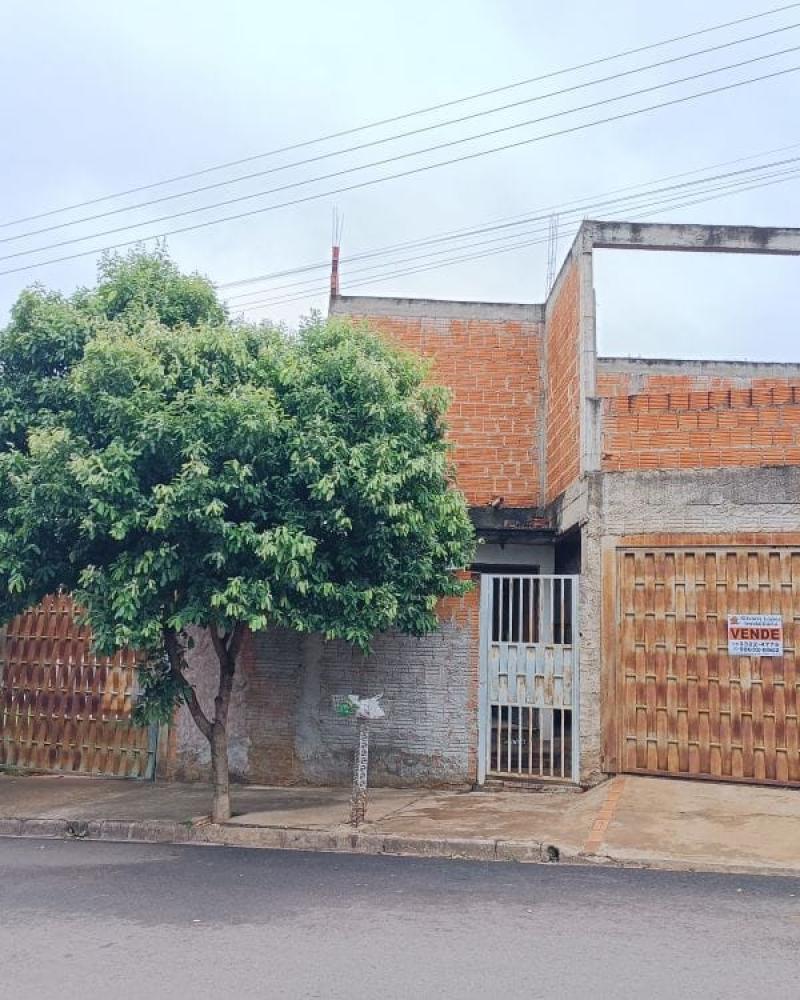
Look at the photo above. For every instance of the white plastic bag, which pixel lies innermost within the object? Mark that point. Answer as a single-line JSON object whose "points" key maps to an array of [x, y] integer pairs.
{"points": [[368, 708]]}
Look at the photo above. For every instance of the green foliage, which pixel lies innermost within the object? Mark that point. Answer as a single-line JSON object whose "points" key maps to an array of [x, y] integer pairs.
{"points": [[139, 286], [48, 332], [173, 471], [44, 339], [160, 692]]}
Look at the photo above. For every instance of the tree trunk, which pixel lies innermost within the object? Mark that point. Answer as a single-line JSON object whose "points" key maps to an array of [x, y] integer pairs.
{"points": [[227, 648], [221, 806]]}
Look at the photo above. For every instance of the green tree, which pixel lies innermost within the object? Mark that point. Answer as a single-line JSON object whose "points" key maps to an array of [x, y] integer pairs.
{"points": [[140, 286], [48, 331], [226, 477]]}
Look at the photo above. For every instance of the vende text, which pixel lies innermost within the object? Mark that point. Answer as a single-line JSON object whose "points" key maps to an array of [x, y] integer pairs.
{"points": [[754, 633]]}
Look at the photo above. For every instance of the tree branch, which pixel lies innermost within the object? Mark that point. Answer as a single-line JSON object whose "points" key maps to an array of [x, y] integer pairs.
{"points": [[220, 648], [235, 641], [177, 663], [223, 700], [227, 649]]}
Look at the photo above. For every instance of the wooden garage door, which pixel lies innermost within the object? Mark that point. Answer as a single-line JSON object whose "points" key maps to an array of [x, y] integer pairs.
{"points": [[64, 709], [688, 707]]}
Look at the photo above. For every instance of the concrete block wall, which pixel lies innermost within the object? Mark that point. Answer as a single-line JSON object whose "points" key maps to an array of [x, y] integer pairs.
{"points": [[274, 677], [490, 357], [700, 502], [188, 756], [590, 603], [284, 729]]}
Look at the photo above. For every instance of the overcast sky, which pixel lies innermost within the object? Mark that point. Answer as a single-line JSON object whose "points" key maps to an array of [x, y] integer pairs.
{"points": [[98, 97]]}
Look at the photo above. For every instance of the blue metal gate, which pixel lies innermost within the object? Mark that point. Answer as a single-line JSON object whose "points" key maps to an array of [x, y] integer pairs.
{"points": [[529, 677]]}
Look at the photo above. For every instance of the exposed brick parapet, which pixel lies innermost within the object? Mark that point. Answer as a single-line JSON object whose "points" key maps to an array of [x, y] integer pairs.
{"points": [[665, 421]]}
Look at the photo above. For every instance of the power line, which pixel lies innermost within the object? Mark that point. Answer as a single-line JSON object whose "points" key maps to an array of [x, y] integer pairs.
{"points": [[495, 223], [666, 205], [379, 180], [405, 115], [544, 213], [579, 213], [391, 159], [413, 132]]}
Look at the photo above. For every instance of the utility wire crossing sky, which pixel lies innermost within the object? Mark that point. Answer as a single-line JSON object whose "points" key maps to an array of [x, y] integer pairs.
{"points": [[69, 151]]}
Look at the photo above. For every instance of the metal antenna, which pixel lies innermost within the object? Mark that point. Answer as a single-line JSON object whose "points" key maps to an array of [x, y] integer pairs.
{"points": [[552, 253], [336, 237], [336, 228]]}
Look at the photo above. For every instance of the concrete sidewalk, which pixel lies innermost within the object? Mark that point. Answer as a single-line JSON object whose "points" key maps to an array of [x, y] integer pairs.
{"points": [[630, 820]]}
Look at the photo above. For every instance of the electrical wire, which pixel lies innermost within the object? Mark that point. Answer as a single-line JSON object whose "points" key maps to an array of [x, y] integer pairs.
{"points": [[405, 115], [528, 218], [670, 205], [503, 221], [414, 132], [372, 181], [390, 159]]}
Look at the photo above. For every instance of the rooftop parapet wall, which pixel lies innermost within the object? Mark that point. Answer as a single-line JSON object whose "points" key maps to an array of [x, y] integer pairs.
{"points": [[691, 414], [698, 415], [534, 409], [490, 357]]}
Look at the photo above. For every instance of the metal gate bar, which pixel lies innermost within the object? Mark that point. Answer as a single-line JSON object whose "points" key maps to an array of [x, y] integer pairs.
{"points": [[529, 676]]}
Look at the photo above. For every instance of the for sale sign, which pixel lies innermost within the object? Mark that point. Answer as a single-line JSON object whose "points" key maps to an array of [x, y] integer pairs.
{"points": [[755, 635]]}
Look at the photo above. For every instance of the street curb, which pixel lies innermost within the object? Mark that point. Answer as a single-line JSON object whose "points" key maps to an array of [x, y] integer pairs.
{"points": [[142, 831], [339, 839], [346, 840]]}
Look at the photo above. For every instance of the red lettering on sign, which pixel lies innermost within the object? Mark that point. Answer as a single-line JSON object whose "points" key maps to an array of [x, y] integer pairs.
{"points": [[754, 633]]}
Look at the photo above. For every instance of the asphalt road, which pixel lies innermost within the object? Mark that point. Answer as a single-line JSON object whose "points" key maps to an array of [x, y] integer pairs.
{"points": [[84, 920]]}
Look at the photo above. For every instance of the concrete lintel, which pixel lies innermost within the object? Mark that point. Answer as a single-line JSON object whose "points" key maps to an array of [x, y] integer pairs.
{"points": [[368, 305], [517, 536], [691, 237], [510, 518], [512, 525], [725, 368]]}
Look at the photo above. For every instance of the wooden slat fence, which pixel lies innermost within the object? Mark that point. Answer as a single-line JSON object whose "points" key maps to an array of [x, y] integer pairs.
{"points": [[686, 706], [62, 708]]}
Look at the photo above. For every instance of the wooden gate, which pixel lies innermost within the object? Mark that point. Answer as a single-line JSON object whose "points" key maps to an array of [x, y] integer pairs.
{"points": [[64, 709], [685, 705]]}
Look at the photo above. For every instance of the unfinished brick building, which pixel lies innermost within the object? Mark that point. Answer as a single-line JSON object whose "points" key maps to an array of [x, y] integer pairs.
{"points": [[637, 584], [628, 510]]}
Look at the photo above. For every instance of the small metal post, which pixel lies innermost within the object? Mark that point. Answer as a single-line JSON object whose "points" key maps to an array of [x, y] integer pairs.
{"points": [[358, 802]]}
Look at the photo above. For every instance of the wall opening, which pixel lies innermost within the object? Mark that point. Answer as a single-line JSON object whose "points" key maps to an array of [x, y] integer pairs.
{"points": [[697, 305]]}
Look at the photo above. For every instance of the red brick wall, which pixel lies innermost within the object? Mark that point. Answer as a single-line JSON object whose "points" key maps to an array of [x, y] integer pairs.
{"points": [[493, 370], [666, 421], [563, 386]]}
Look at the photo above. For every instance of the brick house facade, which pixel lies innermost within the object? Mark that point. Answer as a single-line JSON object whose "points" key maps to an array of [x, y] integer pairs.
{"points": [[668, 491]]}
